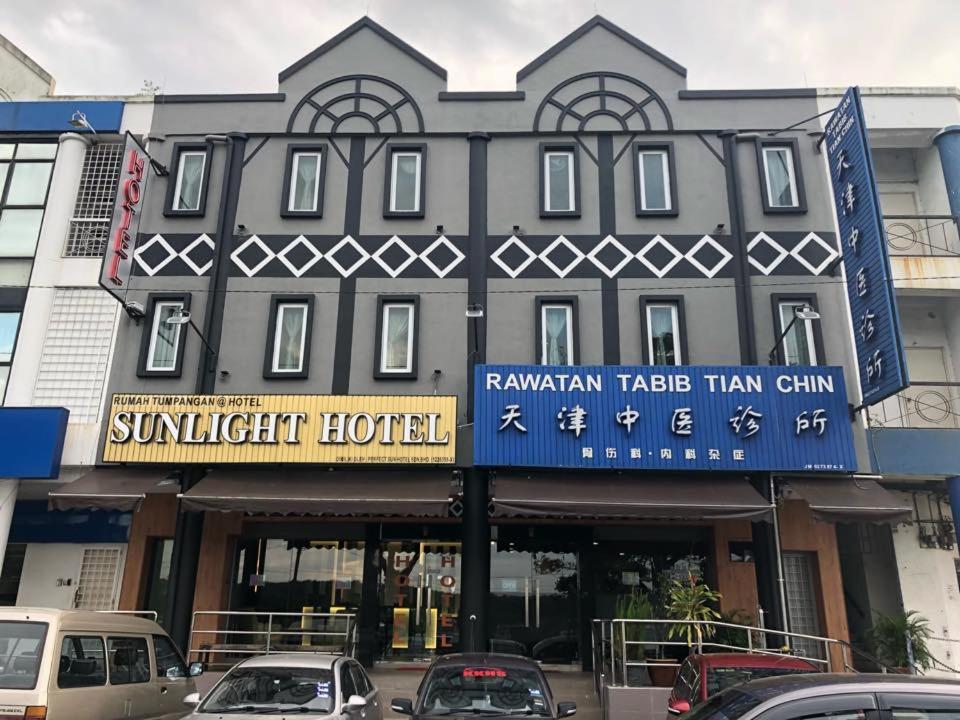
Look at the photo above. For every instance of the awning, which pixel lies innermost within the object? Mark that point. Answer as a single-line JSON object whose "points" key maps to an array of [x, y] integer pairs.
{"points": [[323, 492], [626, 496], [118, 488], [849, 499]]}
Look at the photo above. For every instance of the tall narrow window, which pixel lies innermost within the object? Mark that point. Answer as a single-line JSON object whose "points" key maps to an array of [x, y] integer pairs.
{"points": [[290, 337], [397, 337], [654, 181], [161, 348], [25, 171], [780, 176], [799, 344], [404, 185], [556, 320], [663, 334], [559, 181], [303, 188], [187, 187], [288, 341], [164, 337]]}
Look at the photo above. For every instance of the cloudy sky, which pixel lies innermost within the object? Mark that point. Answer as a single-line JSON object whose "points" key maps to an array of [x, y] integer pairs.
{"points": [[187, 46]]}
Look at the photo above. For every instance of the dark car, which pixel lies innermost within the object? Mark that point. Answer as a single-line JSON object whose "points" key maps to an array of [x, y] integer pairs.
{"points": [[819, 696], [702, 676], [482, 684]]}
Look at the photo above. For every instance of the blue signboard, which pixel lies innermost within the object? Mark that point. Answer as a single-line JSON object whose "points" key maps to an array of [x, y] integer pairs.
{"points": [[663, 418], [54, 115], [873, 307], [31, 441]]}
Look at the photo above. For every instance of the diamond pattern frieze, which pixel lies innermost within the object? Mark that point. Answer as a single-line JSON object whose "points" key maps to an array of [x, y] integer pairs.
{"points": [[610, 242], [299, 242], [658, 241], [255, 243], [379, 256], [561, 244], [203, 241], [142, 252], [440, 244], [347, 242], [780, 254], [514, 270], [724, 256], [830, 253]]}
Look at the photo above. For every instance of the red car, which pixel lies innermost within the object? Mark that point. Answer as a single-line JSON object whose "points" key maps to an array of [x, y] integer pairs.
{"points": [[702, 676]]}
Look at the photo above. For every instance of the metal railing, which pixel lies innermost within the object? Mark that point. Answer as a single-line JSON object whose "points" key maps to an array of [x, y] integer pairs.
{"points": [[626, 653], [922, 235], [922, 405], [238, 634]]}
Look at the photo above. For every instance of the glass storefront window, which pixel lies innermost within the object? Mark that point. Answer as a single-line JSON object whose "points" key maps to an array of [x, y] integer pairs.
{"points": [[419, 598]]}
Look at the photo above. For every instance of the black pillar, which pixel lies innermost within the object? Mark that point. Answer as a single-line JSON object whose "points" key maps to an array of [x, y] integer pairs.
{"points": [[185, 555], [369, 621], [477, 255], [475, 553], [609, 297], [767, 566]]}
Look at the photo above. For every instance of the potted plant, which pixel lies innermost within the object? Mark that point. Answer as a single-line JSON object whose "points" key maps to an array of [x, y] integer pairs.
{"points": [[635, 605], [726, 637], [889, 639], [693, 601]]}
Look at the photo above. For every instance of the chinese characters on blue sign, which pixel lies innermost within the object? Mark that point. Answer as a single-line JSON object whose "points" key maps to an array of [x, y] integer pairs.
{"points": [[663, 418], [876, 326]]}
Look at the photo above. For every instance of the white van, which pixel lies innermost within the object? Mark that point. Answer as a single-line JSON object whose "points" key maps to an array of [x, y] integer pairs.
{"points": [[82, 665]]}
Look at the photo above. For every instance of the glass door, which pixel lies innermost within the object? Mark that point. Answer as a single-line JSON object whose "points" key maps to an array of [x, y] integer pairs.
{"points": [[534, 603]]}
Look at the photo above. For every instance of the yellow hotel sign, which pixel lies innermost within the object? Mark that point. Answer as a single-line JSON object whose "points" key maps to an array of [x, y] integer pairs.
{"points": [[249, 429]]}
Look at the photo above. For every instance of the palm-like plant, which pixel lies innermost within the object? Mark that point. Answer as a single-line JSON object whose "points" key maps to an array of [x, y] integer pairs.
{"points": [[693, 601], [889, 636]]}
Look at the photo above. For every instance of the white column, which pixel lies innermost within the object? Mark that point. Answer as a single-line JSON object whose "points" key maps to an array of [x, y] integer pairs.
{"points": [[8, 498]]}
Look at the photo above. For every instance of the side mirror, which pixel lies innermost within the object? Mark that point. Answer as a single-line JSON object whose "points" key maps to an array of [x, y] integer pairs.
{"points": [[678, 707], [403, 706], [193, 699], [566, 709], [354, 703], [196, 669]]}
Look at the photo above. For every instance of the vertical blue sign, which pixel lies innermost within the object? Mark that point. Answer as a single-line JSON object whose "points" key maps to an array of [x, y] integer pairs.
{"points": [[873, 307]]}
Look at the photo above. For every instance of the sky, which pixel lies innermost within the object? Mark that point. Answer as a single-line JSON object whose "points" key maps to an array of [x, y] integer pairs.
{"points": [[215, 46]]}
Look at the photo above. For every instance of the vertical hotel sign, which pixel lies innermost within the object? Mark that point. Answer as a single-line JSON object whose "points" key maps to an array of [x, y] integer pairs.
{"points": [[118, 254], [873, 308]]}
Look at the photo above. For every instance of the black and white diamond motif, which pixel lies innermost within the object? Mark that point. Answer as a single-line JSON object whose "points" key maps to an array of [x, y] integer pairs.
{"points": [[708, 256], [154, 255], [659, 256], [561, 256], [447, 251], [350, 249], [198, 255], [299, 256], [252, 256], [814, 253], [610, 256], [520, 256], [768, 256], [394, 256]]}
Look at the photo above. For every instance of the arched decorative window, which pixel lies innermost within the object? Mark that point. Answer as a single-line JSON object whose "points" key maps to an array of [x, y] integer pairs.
{"points": [[356, 104]]}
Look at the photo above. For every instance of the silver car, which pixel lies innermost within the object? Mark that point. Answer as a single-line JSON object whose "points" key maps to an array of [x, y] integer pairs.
{"points": [[305, 685]]}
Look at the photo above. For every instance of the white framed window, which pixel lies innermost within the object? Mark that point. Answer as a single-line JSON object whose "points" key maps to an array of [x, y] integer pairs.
{"points": [[397, 337], [305, 176], [781, 177], [188, 192], [559, 181], [406, 168], [556, 334], [663, 334], [799, 345], [290, 337], [164, 347], [653, 174]]}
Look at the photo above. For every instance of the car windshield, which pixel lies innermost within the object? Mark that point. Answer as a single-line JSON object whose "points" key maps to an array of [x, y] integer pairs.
{"points": [[484, 690], [256, 690], [21, 648], [721, 678], [728, 705]]}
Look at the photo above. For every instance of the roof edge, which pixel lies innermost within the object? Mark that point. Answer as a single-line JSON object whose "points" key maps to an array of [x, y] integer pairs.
{"points": [[364, 22], [758, 94], [215, 98], [598, 21]]}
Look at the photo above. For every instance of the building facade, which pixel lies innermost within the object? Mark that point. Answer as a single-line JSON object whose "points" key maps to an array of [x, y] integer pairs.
{"points": [[344, 259]]}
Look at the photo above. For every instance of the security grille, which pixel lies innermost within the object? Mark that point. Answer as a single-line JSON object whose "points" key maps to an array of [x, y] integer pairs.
{"points": [[94, 209], [802, 603], [76, 351], [99, 573]]}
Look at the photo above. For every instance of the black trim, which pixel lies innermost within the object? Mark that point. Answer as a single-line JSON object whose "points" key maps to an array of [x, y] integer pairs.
{"points": [[214, 98], [152, 300], [275, 302], [794, 145], [609, 296], [671, 168], [677, 301], [477, 258], [573, 302], [542, 150], [393, 148], [292, 150], [480, 96], [178, 150], [808, 299], [364, 22], [378, 372], [778, 93], [598, 21], [741, 266]]}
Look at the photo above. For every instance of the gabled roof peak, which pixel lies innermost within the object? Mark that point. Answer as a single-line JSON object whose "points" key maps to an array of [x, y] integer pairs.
{"points": [[599, 21], [368, 23]]}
